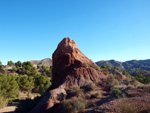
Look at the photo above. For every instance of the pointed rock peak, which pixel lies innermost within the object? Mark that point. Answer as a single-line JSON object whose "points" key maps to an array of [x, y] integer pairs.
{"points": [[71, 67], [67, 44]]}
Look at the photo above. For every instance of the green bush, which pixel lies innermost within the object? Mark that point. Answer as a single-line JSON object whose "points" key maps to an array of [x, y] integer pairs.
{"points": [[1, 66], [42, 83], [10, 63], [116, 92], [8, 86], [14, 69], [46, 70], [18, 64], [26, 83], [27, 68]]}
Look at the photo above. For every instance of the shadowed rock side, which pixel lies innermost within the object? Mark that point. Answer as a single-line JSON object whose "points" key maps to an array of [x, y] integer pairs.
{"points": [[71, 68]]}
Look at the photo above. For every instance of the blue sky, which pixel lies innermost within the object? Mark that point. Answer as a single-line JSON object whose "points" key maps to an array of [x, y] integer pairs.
{"points": [[103, 29]]}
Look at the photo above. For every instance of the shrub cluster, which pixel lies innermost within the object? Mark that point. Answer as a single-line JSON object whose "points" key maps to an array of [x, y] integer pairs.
{"points": [[142, 79], [74, 106], [10, 86], [78, 91], [116, 92]]}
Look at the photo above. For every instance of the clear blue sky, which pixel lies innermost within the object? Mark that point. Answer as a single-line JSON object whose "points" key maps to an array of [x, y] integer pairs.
{"points": [[103, 29]]}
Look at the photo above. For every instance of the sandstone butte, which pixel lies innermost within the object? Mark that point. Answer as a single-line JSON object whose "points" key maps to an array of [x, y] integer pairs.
{"points": [[71, 68]]}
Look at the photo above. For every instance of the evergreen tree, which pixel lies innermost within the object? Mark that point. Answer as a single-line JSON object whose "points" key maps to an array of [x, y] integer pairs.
{"points": [[18, 64], [26, 83], [8, 86], [10, 63], [42, 83]]}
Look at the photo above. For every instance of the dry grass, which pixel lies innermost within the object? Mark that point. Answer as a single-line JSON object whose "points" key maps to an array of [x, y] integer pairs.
{"points": [[93, 66], [91, 86], [3, 102], [126, 107], [97, 94], [145, 87], [77, 91]]}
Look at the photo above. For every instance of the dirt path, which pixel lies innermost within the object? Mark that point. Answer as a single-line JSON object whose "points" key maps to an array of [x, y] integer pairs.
{"points": [[9, 109]]}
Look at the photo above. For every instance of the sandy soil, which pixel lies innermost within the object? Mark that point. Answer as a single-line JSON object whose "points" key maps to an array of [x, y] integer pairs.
{"points": [[9, 109]]}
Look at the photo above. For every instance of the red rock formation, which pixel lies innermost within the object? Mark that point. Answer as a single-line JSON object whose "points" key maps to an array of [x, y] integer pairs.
{"points": [[71, 68]]}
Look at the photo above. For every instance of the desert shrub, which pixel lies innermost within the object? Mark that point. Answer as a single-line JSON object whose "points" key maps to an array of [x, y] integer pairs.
{"points": [[90, 86], [111, 81], [93, 66], [84, 64], [79, 105], [96, 95], [116, 92], [78, 91], [145, 87], [74, 106], [125, 107], [114, 83], [117, 77], [3, 102]]}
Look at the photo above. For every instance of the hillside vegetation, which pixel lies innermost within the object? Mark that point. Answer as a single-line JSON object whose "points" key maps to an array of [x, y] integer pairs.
{"points": [[22, 77], [133, 67]]}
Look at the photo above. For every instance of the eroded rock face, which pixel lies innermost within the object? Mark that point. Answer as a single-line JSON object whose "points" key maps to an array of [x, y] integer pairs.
{"points": [[71, 67]]}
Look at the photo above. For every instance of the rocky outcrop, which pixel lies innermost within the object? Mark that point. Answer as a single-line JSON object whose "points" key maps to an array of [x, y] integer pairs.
{"points": [[71, 68]]}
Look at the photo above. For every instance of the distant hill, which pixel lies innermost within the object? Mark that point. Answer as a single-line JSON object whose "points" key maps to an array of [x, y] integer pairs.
{"points": [[46, 62], [127, 65]]}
